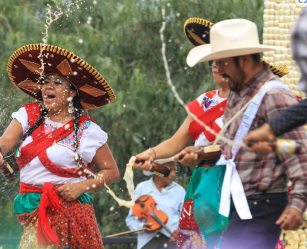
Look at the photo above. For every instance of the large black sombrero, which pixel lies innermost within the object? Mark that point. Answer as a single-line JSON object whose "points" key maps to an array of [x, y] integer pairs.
{"points": [[197, 30], [24, 69]]}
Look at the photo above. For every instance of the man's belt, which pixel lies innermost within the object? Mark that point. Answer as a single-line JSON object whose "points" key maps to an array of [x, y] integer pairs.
{"points": [[279, 189]]}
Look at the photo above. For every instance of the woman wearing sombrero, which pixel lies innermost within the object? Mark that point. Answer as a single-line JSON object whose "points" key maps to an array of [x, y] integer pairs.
{"points": [[209, 108], [58, 147]]}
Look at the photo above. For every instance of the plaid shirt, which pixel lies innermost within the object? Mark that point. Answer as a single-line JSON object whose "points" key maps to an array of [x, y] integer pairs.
{"points": [[271, 171]]}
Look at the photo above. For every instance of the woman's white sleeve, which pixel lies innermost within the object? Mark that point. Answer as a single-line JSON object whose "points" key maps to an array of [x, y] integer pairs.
{"points": [[92, 139], [22, 117]]}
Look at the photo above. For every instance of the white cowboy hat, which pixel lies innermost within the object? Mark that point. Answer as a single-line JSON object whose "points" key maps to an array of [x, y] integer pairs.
{"points": [[229, 38], [160, 161]]}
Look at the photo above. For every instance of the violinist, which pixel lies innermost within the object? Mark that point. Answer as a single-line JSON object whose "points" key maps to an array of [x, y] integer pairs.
{"points": [[169, 197]]}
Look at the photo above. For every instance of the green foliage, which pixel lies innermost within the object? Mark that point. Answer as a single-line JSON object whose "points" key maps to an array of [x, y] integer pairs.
{"points": [[122, 42]]}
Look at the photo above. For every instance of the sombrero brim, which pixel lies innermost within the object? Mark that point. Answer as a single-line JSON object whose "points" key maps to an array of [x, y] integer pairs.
{"points": [[24, 69], [279, 71], [203, 53], [197, 30]]}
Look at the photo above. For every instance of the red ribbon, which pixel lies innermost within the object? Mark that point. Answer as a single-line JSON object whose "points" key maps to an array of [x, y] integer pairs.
{"points": [[49, 198]]}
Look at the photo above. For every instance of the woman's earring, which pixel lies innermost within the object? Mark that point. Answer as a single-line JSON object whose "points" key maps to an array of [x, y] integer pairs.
{"points": [[70, 107]]}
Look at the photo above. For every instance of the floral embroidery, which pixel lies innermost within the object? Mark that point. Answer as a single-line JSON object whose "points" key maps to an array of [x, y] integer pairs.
{"points": [[208, 102], [69, 140]]}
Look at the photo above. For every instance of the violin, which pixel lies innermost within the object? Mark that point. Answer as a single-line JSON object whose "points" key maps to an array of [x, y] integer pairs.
{"points": [[145, 208]]}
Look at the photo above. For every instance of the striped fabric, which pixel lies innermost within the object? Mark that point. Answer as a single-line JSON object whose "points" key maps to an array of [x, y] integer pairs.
{"points": [[267, 172]]}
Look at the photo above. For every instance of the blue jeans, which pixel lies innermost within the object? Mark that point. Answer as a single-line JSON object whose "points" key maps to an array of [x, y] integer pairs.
{"points": [[261, 231]]}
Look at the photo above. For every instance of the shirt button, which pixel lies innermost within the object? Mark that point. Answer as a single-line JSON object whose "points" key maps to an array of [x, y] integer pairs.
{"points": [[267, 200], [255, 203]]}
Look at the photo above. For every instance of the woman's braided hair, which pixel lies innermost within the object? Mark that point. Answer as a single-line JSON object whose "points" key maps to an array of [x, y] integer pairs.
{"points": [[77, 114], [44, 113]]}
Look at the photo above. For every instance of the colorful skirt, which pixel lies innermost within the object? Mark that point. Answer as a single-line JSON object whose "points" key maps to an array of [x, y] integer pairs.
{"points": [[75, 225], [189, 234], [201, 225]]}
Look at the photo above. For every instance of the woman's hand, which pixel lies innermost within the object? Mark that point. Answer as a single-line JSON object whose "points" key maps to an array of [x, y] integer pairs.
{"points": [[1, 158], [148, 156], [70, 191], [189, 157]]}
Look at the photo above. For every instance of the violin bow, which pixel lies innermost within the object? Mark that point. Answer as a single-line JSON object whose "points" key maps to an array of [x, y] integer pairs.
{"points": [[127, 232], [156, 218]]}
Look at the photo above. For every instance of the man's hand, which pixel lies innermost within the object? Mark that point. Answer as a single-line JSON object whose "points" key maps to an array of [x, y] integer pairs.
{"points": [[189, 157], [290, 219], [148, 229], [174, 237], [261, 135]]}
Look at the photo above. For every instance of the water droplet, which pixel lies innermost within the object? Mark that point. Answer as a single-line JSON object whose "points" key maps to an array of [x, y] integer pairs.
{"points": [[111, 208], [178, 14], [124, 105]]}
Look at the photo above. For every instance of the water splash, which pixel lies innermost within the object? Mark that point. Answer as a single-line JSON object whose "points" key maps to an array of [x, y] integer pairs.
{"points": [[173, 88], [51, 16]]}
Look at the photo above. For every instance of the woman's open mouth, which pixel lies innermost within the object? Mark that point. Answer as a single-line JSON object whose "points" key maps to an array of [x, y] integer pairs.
{"points": [[49, 98]]}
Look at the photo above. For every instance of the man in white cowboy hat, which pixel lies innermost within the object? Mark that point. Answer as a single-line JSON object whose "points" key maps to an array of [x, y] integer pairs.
{"points": [[169, 197], [255, 184]]}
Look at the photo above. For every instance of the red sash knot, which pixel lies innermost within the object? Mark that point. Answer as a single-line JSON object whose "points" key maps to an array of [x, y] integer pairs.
{"points": [[49, 198]]}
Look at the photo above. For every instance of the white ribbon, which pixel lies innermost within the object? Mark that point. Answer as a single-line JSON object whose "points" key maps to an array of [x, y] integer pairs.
{"points": [[232, 185]]}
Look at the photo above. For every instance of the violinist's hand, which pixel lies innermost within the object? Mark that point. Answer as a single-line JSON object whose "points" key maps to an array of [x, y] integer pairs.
{"points": [[148, 228], [261, 135], [189, 157], [148, 156], [70, 191], [174, 237]]}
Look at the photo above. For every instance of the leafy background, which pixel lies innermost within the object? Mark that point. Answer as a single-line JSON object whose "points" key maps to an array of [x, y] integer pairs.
{"points": [[121, 40]]}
